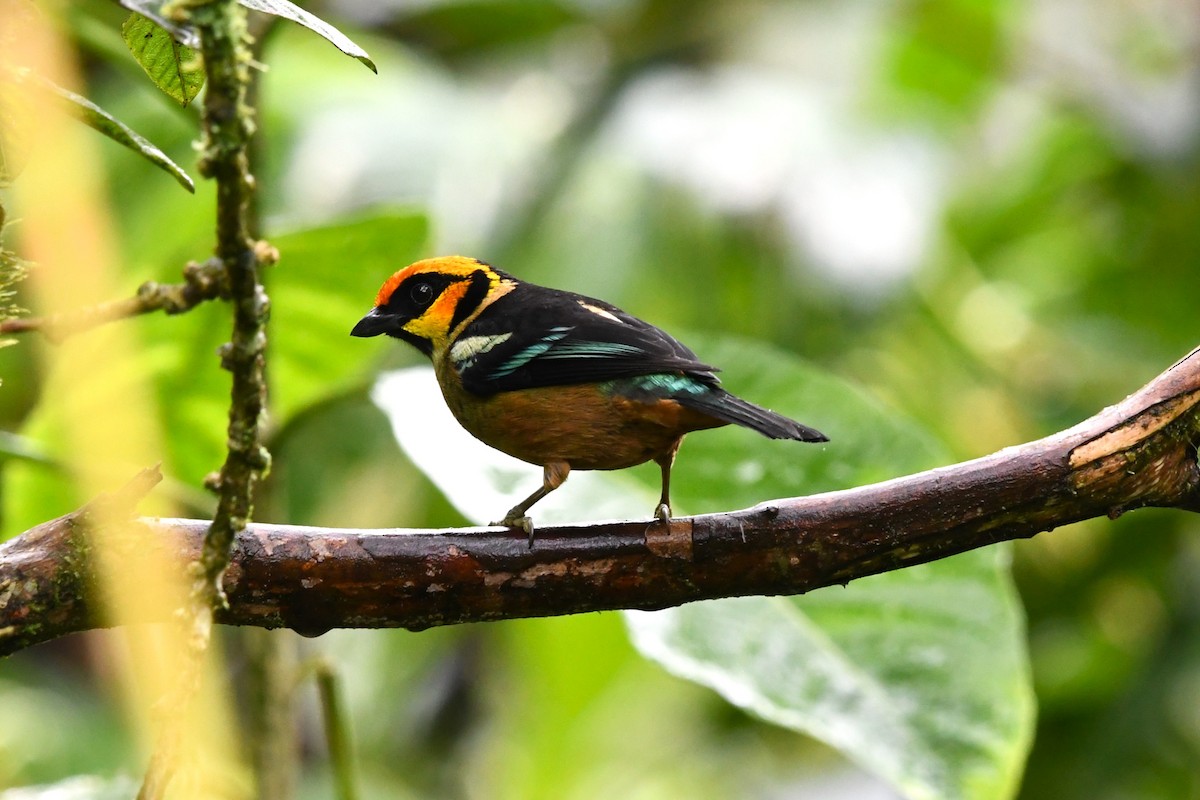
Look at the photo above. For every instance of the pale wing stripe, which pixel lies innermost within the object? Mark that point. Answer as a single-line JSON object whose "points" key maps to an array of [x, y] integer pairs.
{"points": [[465, 350], [602, 312]]}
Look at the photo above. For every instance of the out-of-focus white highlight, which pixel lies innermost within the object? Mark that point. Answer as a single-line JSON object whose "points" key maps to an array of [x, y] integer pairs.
{"points": [[1135, 62], [861, 206], [777, 127]]}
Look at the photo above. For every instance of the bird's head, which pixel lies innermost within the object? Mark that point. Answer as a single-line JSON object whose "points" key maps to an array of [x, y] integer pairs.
{"points": [[427, 301]]}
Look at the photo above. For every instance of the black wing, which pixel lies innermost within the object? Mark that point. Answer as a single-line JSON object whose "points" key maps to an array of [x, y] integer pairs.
{"points": [[536, 336]]}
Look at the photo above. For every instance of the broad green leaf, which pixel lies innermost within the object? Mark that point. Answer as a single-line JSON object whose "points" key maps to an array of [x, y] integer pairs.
{"points": [[326, 279], [175, 68], [94, 116], [919, 675], [180, 351], [921, 678]]}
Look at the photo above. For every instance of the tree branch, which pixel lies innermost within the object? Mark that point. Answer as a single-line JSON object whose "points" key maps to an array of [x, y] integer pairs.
{"points": [[48, 578], [1141, 452], [201, 282]]}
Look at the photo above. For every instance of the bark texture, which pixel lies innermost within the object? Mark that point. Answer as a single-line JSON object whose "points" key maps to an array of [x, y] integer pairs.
{"points": [[1140, 452]]}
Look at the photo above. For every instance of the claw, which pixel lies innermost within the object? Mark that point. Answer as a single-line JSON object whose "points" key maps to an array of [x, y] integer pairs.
{"points": [[521, 522], [663, 513]]}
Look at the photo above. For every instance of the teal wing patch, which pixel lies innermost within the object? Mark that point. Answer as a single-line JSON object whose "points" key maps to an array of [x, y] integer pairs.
{"points": [[544, 337]]}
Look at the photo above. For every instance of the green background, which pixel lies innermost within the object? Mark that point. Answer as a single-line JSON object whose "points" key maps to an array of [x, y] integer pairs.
{"points": [[980, 214]]}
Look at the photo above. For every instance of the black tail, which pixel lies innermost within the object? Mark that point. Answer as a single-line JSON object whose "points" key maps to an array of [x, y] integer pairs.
{"points": [[730, 408]]}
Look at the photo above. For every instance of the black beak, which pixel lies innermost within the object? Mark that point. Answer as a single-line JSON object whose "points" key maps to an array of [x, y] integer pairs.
{"points": [[374, 323]]}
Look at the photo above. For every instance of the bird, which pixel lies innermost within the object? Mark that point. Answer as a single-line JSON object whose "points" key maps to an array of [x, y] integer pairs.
{"points": [[555, 378]]}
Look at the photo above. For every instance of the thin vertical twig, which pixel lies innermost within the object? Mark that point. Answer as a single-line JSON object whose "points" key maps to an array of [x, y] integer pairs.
{"points": [[271, 666], [271, 656], [228, 124], [337, 732]]}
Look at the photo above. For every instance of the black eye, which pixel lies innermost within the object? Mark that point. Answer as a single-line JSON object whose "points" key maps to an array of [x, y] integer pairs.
{"points": [[421, 293]]}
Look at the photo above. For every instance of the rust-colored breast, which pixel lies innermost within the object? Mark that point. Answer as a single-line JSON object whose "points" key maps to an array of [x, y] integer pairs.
{"points": [[577, 424]]}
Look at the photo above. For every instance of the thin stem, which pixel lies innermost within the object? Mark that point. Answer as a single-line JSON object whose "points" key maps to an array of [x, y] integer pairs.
{"points": [[271, 682], [337, 731], [270, 655]]}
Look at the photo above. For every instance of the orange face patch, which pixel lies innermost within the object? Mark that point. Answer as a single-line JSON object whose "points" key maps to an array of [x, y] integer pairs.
{"points": [[385, 292], [447, 265]]}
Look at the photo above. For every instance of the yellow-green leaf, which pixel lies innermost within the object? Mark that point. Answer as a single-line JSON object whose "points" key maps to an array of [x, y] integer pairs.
{"points": [[175, 68]]}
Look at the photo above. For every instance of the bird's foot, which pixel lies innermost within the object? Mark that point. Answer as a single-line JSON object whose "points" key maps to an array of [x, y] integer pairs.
{"points": [[663, 513], [515, 519]]}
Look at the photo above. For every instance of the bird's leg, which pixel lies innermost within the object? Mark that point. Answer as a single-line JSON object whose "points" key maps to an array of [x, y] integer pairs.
{"points": [[665, 461], [553, 475]]}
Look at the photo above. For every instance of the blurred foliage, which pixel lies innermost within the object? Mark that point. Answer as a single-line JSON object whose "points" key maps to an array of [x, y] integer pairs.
{"points": [[981, 211], [12, 271]]}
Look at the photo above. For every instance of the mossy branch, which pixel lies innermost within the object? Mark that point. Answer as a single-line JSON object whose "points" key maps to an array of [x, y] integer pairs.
{"points": [[227, 123]]}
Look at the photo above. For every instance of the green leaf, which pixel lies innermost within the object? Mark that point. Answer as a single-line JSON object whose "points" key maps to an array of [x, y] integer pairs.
{"points": [[175, 68], [921, 678], [282, 8], [919, 675], [279, 8], [326, 280], [99, 119], [94, 116], [152, 9]]}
